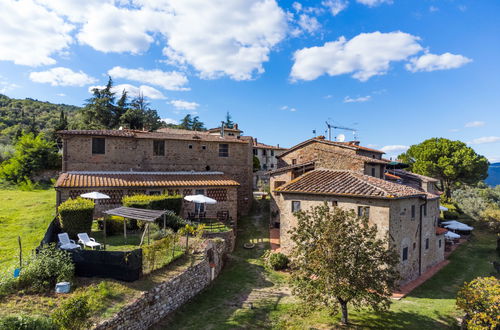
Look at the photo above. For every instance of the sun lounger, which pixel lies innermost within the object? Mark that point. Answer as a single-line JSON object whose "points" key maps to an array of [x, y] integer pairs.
{"points": [[67, 244], [84, 239]]}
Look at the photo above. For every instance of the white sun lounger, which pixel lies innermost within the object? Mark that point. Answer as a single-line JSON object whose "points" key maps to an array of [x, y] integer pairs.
{"points": [[84, 239], [66, 243]]}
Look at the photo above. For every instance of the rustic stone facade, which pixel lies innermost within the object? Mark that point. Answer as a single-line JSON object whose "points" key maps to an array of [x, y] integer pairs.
{"points": [[182, 152], [268, 159], [155, 304]]}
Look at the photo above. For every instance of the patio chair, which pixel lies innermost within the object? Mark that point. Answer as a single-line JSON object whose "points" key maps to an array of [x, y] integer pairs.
{"points": [[67, 244], [84, 239]]}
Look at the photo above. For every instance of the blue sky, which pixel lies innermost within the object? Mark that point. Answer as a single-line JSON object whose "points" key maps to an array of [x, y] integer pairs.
{"points": [[397, 71]]}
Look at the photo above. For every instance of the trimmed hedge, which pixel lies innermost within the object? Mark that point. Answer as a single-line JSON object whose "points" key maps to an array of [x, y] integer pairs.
{"points": [[76, 215], [154, 202]]}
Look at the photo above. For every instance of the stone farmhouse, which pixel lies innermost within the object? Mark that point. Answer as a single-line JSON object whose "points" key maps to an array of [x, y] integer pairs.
{"points": [[124, 162], [404, 206], [268, 160]]}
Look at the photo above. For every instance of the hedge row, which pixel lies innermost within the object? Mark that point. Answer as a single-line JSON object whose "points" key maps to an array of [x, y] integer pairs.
{"points": [[154, 202], [75, 216]]}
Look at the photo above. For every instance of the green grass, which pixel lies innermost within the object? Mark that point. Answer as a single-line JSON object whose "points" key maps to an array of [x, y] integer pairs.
{"points": [[26, 214], [216, 227], [431, 306]]}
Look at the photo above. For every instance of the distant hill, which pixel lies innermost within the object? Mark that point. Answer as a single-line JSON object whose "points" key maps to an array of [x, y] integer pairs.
{"points": [[29, 114], [493, 178]]}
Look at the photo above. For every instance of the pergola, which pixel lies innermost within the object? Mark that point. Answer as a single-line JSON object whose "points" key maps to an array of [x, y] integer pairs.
{"points": [[137, 214]]}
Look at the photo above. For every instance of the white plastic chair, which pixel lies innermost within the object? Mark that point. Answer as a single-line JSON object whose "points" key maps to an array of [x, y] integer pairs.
{"points": [[66, 243], [84, 239]]}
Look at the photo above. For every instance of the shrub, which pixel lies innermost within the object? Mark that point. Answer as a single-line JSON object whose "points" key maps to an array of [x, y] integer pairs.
{"points": [[479, 300], [25, 322], [451, 215], [114, 225], [160, 252], [75, 216], [277, 261], [43, 270], [154, 202], [73, 314], [175, 222]]}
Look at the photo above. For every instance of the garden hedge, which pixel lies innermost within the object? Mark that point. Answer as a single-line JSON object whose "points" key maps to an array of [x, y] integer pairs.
{"points": [[75, 216], [154, 202]]}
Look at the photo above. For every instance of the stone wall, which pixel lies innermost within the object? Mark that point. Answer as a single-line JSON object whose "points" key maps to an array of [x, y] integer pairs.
{"points": [[155, 304], [228, 237]]}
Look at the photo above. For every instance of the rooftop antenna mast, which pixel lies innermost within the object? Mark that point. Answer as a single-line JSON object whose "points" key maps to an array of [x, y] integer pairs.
{"points": [[330, 126]]}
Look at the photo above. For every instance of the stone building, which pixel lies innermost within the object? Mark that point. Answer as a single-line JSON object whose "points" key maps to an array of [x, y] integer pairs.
{"points": [[268, 160], [350, 176], [120, 162]]}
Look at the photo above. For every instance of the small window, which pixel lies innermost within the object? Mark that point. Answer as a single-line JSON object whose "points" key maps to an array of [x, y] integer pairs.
{"points": [[364, 211], [264, 152], [98, 146], [272, 152], [158, 148], [223, 150], [405, 253], [264, 166], [373, 171], [425, 210], [295, 206], [203, 147], [335, 203], [439, 243], [426, 243], [413, 211], [272, 165], [255, 152], [414, 245], [190, 146], [294, 161]]}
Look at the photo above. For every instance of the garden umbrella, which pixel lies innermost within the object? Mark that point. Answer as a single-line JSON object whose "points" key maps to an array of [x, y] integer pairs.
{"points": [[201, 199], [442, 208], [451, 235], [95, 195], [459, 226]]}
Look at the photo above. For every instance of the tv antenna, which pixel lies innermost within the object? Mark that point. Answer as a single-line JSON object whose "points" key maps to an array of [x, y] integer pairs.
{"points": [[330, 126]]}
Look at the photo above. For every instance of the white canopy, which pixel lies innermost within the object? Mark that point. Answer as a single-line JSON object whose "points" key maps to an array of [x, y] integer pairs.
{"points": [[442, 208], [451, 235], [202, 199], [456, 225], [449, 222], [95, 195]]}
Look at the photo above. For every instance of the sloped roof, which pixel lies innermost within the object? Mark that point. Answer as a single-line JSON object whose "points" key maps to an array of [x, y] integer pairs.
{"points": [[441, 231], [332, 182], [414, 176], [334, 143], [265, 146], [142, 179], [289, 167]]}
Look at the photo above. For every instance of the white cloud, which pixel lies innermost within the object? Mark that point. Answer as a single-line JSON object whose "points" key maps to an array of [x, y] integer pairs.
{"points": [[6, 86], [374, 3], [395, 149], [62, 77], [485, 139], [173, 80], [134, 91], [431, 62], [308, 23], [335, 6], [475, 124], [433, 9], [61, 94], [364, 56], [30, 34], [287, 108], [184, 105], [169, 121], [358, 99]]}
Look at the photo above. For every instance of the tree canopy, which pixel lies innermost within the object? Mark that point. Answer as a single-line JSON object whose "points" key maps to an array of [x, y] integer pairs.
{"points": [[452, 162], [479, 299], [337, 259]]}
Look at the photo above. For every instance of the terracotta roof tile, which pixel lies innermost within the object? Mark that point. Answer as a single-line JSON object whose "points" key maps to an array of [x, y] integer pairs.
{"points": [[140, 179], [331, 182], [441, 231], [393, 177], [335, 143]]}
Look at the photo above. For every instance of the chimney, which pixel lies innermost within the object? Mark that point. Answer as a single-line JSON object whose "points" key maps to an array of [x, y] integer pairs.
{"points": [[222, 129], [255, 140], [235, 126], [278, 145]]}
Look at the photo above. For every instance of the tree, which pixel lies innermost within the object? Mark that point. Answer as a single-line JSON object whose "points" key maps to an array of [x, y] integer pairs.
{"points": [[186, 122], [491, 215], [100, 110], [452, 162], [256, 163], [337, 260], [228, 122], [479, 299], [197, 125], [32, 154]]}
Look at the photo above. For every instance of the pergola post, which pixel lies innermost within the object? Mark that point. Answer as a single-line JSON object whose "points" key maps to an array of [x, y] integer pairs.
{"points": [[125, 229], [105, 217]]}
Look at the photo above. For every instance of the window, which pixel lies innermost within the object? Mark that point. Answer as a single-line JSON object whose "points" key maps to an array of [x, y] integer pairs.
{"points": [[294, 161], [278, 184], [158, 148], [439, 243], [425, 209], [272, 165], [272, 152], [98, 146], [295, 206], [203, 147], [264, 166], [264, 152], [364, 211], [373, 171], [414, 245], [190, 146], [405, 253], [413, 211], [155, 192], [223, 150], [255, 152], [426, 243], [335, 203]]}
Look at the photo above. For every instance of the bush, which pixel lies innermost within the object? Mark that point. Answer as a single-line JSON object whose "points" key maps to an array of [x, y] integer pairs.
{"points": [[25, 322], [76, 215], [451, 215], [479, 300], [277, 261], [154, 202], [175, 222], [42, 271], [114, 225], [73, 314]]}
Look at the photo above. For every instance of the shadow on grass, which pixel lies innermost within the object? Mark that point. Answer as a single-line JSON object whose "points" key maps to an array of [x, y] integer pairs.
{"points": [[400, 320]]}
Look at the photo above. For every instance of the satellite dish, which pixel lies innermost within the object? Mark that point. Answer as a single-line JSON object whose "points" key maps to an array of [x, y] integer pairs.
{"points": [[341, 138]]}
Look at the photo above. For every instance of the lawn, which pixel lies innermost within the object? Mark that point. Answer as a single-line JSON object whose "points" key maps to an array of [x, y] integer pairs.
{"points": [[244, 281], [27, 214]]}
